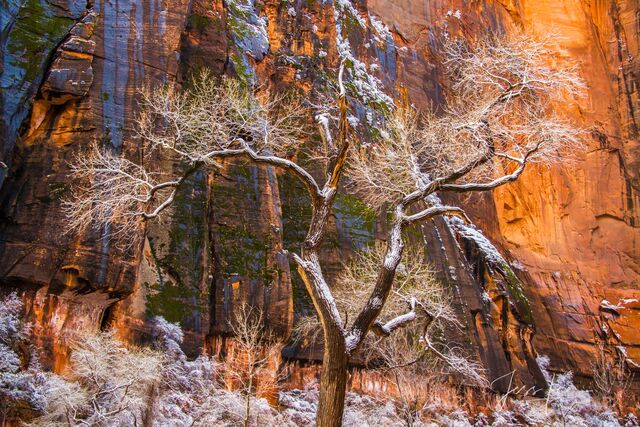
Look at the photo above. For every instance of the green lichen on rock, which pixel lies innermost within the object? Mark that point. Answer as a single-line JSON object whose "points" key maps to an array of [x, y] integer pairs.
{"points": [[495, 261], [296, 214], [242, 245], [56, 190], [237, 24], [181, 298], [36, 32], [355, 228], [516, 291], [188, 229], [172, 301], [199, 23], [248, 31], [355, 220], [242, 70]]}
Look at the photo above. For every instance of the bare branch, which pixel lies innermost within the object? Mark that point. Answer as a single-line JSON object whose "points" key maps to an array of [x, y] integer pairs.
{"points": [[342, 140], [318, 289], [213, 114], [500, 107], [383, 284], [432, 212], [287, 165], [116, 192], [397, 322]]}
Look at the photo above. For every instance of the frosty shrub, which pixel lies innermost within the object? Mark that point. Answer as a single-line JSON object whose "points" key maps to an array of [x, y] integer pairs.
{"points": [[565, 405], [188, 394], [574, 407], [299, 408], [109, 383], [106, 384], [20, 374]]}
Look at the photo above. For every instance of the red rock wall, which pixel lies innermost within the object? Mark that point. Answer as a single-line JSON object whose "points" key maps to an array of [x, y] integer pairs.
{"points": [[575, 228]]}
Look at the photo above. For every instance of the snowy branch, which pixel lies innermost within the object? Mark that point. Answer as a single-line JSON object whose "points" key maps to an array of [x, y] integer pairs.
{"points": [[386, 329]]}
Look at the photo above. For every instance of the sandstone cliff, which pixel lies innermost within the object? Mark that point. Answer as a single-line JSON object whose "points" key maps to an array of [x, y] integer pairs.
{"points": [[566, 275]]}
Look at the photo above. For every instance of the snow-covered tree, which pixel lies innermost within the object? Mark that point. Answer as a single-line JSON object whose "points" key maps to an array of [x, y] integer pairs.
{"points": [[498, 119]]}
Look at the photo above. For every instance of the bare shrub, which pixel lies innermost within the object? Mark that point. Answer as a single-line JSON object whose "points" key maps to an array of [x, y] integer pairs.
{"points": [[611, 378], [107, 384]]}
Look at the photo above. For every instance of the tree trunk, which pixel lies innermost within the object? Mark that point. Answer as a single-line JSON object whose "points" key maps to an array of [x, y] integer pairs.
{"points": [[247, 411], [333, 381], [151, 402]]}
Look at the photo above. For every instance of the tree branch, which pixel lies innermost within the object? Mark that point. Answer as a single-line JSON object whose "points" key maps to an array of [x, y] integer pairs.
{"points": [[169, 200], [432, 212], [321, 296], [336, 172], [395, 323], [384, 283], [461, 188], [303, 176]]}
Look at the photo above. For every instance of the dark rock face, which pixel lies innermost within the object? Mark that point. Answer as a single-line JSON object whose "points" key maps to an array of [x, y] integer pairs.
{"points": [[29, 32], [572, 230]]}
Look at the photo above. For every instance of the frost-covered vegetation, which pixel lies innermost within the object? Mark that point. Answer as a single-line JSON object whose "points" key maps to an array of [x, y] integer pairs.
{"points": [[110, 383], [20, 375]]}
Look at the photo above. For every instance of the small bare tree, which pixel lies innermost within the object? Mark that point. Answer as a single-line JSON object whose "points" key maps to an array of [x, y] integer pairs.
{"points": [[611, 377], [250, 367], [499, 118]]}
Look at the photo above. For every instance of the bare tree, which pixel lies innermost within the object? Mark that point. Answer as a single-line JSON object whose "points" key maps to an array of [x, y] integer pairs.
{"points": [[611, 377], [499, 117], [250, 369]]}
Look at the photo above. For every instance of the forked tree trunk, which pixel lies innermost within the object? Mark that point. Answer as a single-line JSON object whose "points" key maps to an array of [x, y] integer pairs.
{"points": [[333, 378], [333, 381]]}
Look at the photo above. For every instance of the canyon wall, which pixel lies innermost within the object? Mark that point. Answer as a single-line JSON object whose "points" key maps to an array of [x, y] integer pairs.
{"points": [[563, 280]]}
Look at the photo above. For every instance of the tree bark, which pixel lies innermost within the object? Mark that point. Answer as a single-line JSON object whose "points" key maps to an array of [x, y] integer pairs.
{"points": [[151, 403], [333, 381]]}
